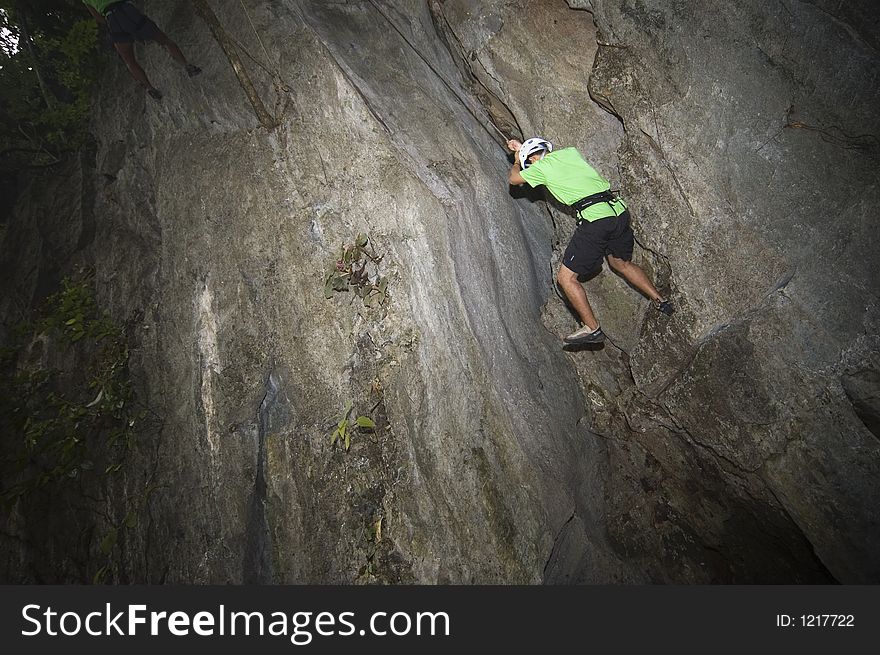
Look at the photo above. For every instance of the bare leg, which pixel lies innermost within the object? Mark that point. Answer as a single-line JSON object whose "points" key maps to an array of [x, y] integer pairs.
{"points": [[126, 51], [635, 276], [573, 289], [162, 39]]}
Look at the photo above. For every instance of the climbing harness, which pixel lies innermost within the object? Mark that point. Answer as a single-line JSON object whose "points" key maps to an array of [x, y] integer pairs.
{"points": [[481, 121], [580, 205]]}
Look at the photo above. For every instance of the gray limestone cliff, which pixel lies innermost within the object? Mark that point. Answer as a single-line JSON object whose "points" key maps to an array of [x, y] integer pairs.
{"points": [[736, 441]]}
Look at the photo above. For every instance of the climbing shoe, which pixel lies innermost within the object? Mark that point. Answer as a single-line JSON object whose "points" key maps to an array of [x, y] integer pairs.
{"points": [[155, 94], [664, 306], [192, 70], [586, 335]]}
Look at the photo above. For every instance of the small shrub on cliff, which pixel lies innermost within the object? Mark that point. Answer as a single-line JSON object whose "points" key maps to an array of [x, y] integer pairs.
{"points": [[343, 430], [61, 418], [356, 269]]}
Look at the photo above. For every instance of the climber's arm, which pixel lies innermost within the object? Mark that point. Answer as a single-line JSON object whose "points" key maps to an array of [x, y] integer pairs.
{"points": [[96, 15], [515, 177]]}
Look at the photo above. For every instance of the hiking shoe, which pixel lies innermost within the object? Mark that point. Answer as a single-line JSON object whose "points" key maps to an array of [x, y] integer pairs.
{"points": [[664, 306], [192, 70], [586, 335], [155, 94]]}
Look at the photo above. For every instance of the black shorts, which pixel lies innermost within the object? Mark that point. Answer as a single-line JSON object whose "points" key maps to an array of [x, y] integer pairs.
{"points": [[126, 24], [592, 240]]}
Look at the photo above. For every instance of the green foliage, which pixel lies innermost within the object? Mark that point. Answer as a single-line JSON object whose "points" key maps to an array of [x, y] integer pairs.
{"points": [[356, 269], [48, 69], [372, 538], [71, 312], [111, 538], [109, 541], [63, 421], [72, 63], [343, 430]]}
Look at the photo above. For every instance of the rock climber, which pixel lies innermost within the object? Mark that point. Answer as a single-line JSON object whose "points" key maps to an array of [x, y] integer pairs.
{"points": [[126, 25], [602, 230]]}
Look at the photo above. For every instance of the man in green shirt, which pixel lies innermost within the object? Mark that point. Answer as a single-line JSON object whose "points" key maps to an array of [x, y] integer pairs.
{"points": [[126, 25], [603, 226]]}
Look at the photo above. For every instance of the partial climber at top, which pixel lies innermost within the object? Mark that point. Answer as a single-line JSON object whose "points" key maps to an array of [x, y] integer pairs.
{"points": [[126, 25], [603, 226]]}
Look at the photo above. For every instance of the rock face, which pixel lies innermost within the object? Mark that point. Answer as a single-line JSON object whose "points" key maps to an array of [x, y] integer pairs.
{"points": [[734, 442]]}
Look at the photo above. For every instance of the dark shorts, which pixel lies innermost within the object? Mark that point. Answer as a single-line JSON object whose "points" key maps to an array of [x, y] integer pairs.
{"points": [[592, 240], [127, 25]]}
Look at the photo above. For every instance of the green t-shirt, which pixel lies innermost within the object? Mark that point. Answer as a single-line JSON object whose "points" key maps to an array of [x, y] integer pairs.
{"points": [[100, 5], [569, 178]]}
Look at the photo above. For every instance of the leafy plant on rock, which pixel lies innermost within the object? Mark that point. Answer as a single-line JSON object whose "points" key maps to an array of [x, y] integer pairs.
{"points": [[344, 426], [59, 424], [356, 269], [372, 538]]}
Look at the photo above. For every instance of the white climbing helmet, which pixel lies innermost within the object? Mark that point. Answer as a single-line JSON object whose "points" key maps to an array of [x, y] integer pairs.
{"points": [[530, 147]]}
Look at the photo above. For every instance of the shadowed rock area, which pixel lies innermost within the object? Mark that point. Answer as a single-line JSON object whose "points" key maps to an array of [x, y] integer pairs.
{"points": [[735, 442]]}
